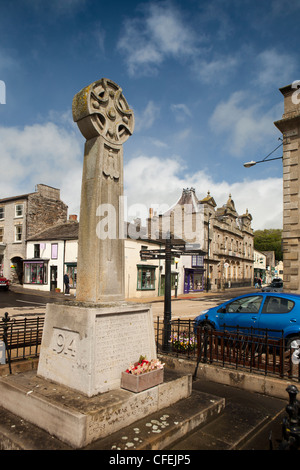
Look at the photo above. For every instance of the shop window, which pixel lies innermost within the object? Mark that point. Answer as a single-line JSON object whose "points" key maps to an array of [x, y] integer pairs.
{"points": [[35, 273], [146, 278]]}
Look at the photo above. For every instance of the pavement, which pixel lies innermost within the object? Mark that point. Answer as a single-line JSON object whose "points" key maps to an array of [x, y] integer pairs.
{"points": [[247, 422]]}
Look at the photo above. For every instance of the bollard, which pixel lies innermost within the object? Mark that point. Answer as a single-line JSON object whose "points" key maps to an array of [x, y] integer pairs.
{"points": [[291, 423]]}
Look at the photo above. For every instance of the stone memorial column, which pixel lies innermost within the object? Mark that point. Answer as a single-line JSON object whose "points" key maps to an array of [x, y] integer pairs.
{"points": [[88, 342], [105, 120]]}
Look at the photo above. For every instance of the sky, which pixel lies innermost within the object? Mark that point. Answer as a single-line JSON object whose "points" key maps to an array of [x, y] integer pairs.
{"points": [[202, 77]]}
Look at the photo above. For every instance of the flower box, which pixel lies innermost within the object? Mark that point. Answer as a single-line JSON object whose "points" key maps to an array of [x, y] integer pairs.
{"points": [[140, 382]]}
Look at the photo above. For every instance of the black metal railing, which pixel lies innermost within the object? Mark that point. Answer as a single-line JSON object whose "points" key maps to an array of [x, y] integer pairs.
{"points": [[254, 350], [21, 337]]}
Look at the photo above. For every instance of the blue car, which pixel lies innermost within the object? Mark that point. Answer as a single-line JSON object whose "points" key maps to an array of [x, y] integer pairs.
{"points": [[275, 311]]}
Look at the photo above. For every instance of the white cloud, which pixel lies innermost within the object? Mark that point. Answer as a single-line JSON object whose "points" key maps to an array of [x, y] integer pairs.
{"points": [[146, 118], [274, 67], [41, 153], [154, 182], [215, 70], [51, 154], [244, 122], [158, 34], [181, 111]]}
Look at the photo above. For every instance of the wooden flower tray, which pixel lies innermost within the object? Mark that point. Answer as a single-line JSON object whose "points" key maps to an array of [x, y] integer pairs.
{"points": [[138, 383]]}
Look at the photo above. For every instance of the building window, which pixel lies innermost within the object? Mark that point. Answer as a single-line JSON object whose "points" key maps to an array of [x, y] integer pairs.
{"points": [[54, 251], [36, 253], [146, 278], [1, 234], [197, 261], [35, 273], [2, 212], [18, 233], [19, 210]]}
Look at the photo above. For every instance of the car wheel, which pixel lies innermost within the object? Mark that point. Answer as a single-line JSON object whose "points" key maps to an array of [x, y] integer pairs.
{"points": [[207, 325], [290, 340]]}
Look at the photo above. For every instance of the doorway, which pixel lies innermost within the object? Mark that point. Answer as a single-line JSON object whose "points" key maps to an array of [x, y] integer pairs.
{"points": [[193, 280], [53, 277]]}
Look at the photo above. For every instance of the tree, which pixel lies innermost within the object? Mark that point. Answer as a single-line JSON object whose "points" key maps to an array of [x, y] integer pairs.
{"points": [[269, 240]]}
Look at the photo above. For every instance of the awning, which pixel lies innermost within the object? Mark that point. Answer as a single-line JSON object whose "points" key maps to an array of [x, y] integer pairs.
{"points": [[36, 260]]}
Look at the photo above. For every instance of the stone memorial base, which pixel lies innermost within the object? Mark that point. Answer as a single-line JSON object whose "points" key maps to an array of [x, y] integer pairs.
{"points": [[75, 394], [87, 346], [78, 420]]}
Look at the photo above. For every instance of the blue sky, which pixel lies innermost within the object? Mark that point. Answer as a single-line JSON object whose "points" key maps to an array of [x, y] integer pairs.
{"points": [[202, 77]]}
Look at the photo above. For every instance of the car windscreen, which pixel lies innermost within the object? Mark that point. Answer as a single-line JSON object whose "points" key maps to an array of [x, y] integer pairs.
{"points": [[244, 305]]}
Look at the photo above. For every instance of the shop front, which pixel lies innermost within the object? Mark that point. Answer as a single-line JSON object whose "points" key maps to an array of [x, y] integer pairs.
{"points": [[194, 280], [35, 271]]}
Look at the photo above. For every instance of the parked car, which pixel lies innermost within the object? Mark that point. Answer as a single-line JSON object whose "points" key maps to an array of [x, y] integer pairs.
{"points": [[275, 286], [276, 311], [4, 283]]}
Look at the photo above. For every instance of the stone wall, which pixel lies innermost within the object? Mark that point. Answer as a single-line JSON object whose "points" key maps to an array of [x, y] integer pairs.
{"points": [[44, 211], [289, 125]]}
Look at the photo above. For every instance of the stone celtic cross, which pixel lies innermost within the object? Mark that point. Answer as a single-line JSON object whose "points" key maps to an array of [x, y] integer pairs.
{"points": [[106, 121]]}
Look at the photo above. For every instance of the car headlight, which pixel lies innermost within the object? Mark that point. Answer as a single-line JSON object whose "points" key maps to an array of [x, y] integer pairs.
{"points": [[203, 312]]}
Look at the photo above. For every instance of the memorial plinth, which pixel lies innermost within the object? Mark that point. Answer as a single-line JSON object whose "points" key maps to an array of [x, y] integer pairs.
{"points": [[87, 346]]}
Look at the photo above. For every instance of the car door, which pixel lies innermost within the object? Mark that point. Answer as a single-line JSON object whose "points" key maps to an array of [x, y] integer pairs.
{"points": [[243, 312], [277, 314]]}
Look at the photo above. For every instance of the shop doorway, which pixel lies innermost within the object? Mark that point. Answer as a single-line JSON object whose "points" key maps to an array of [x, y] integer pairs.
{"points": [[193, 280], [53, 277], [16, 270]]}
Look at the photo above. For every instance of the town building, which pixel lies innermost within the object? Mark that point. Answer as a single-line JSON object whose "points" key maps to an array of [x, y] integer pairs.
{"points": [[218, 241], [260, 266], [20, 218], [221, 233], [53, 252], [50, 254]]}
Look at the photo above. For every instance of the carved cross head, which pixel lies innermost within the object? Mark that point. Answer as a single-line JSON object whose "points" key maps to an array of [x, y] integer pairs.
{"points": [[101, 109]]}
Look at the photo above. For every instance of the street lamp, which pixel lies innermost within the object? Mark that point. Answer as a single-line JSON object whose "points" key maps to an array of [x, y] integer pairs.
{"points": [[252, 163]]}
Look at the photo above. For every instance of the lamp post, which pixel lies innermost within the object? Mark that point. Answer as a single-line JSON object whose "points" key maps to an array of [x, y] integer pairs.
{"points": [[252, 163]]}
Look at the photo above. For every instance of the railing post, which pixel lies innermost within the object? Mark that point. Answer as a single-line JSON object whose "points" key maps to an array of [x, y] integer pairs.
{"points": [[157, 334], [5, 320]]}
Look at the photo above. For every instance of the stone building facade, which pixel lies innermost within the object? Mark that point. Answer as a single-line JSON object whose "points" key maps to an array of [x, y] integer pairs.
{"points": [[21, 217], [225, 236], [289, 125]]}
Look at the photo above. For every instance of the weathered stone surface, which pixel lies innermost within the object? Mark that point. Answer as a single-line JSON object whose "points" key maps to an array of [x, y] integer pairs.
{"points": [[105, 120], [87, 346], [289, 125]]}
